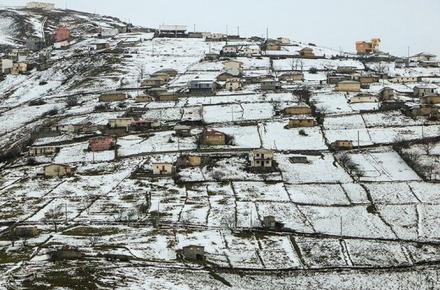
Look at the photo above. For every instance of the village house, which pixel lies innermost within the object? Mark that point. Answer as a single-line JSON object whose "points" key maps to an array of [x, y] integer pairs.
{"points": [[271, 45], [391, 105], [225, 76], [144, 125], [342, 145], [270, 85], [423, 57], [261, 158], [215, 36], [166, 96], [160, 75], [365, 47], [120, 122], [307, 52], [292, 77], [143, 99], [172, 31], [40, 5], [423, 90], [298, 110], [153, 82], [346, 69], [19, 68], [114, 96], [432, 99], [233, 66], [62, 33], [108, 32], [213, 137], [202, 86], [43, 150], [348, 86], [333, 79], [212, 56], [404, 79], [230, 50], [100, 45], [424, 110], [101, 143], [6, 65], [284, 40], [192, 253], [302, 122], [57, 170], [270, 223], [233, 84], [250, 50], [182, 131], [163, 168], [367, 79], [191, 160], [364, 98], [386, 94]]}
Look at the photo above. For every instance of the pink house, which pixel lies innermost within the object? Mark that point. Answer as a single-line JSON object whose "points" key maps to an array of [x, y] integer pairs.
{"points": [[62, 33], [101, 143]]}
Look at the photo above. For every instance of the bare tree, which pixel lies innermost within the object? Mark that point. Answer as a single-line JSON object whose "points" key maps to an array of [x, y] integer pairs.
{"points": [[54, 216]]}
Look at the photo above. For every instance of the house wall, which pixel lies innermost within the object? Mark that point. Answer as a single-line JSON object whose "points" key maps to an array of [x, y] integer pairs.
{"points": [[364, 99], [298, 110], [57, 170], [120, 123], [296, 123], [162, 168], [214, 139], [112, 97], [348, 87]]}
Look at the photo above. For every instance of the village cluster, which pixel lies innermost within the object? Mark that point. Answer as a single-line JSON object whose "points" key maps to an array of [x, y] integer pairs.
{"points": [[168, 147]]}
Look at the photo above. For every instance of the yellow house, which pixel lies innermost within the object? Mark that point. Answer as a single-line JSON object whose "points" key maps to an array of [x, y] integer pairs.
{"points": [[261, 158], [301, 122], [213, 137], [342, 145], [57, 170], [298, 110], [120, 122], [348, 86], [431, 99], [113, 97]]}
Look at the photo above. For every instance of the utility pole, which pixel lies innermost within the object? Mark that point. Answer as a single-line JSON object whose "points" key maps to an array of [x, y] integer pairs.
{"points": [[65, 209], [359, 143], [238, 30], [267, 33], [227, 30], [194, 28]]}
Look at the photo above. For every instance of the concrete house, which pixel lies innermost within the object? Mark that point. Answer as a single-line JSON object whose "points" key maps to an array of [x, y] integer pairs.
{"points": [[431, 99], [163, 168], [192, 160], [143, 99], [230, 50], [261, 158], [270, 223], [193, 253], [213, 137], [250, 50], [342, 145], [307, 52], [386, 94], [120, 122], [272, 45], [57, 170], [202, 86], [153, 82], [346, 69], [108, 32], [182, 130], [233, 65], [348, 86], [364, 98], [367, 47], [292, 77], [298, 110], [43, 150], [114, 96], [6, 65], [404, 79], [62, 33], [101, 143], [167, 96], [233, 84], [367, 79], [423, 57], [423, 90], [144, 125], [333, 79], [40, 5], [225, 76], [171, 31], [270, 85], [301, 122]]}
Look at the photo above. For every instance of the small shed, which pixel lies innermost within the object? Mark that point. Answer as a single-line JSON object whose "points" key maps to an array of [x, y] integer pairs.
{"points": [[58, 170]]}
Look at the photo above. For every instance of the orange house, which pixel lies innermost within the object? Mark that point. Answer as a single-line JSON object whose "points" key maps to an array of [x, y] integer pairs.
{"points": [[367, 47], [62, 33]]}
